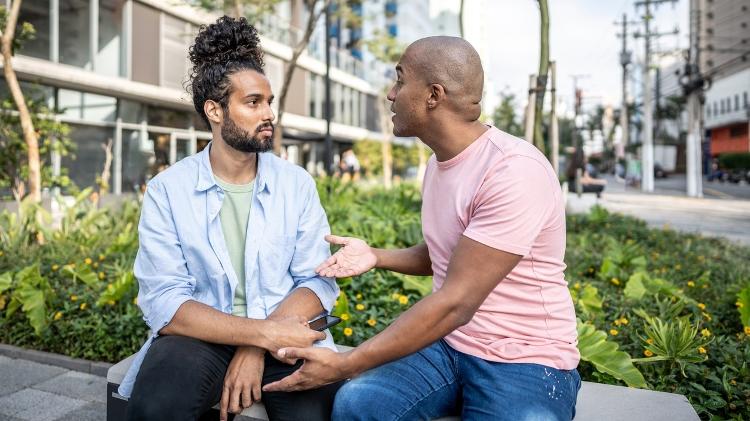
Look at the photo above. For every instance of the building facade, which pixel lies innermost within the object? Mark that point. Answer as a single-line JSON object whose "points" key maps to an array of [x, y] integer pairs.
{"points": [[116, 72]]}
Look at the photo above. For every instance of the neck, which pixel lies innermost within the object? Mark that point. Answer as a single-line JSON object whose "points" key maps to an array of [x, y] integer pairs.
{"points": [[449, 140], [231, 165]]}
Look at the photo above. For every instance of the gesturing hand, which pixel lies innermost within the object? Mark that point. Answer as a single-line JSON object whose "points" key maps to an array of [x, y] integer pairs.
{"points": [[354, 258], [242, 381], [322, 366]]}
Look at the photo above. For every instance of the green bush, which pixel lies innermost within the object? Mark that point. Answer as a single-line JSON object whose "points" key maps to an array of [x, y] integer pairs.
{"points": [[735, 161], [657, 309]]}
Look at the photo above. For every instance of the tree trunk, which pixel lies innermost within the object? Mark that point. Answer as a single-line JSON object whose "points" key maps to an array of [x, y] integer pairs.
{"points": [[386, 149], [29, 135], [291, 66], [237, 9], [461, 19], [541, 81]]}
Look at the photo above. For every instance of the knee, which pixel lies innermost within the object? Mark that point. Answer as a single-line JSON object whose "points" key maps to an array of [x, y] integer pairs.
{"points": [[146, 409], [354, 402]]}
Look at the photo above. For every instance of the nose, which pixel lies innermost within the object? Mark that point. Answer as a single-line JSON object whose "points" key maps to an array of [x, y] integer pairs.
{"points": [[269, 114], [392, 94]]}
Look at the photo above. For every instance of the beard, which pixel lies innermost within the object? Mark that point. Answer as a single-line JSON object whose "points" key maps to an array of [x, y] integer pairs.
{"points": [[241, 140]]}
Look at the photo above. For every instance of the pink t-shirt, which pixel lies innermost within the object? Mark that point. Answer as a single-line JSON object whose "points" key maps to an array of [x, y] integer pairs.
{"points": [[502, 192]]}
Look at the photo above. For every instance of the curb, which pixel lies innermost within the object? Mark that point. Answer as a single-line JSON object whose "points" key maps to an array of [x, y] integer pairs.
{"points": [[96, 368]]}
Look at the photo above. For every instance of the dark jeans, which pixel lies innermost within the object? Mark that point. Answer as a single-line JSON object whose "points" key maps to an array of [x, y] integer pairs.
{"points": [[182, 378]]}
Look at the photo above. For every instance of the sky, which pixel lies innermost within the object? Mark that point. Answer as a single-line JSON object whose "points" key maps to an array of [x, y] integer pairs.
{"points": [[583, 41]]}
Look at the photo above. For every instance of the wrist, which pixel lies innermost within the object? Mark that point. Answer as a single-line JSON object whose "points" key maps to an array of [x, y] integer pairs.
{"points": [[264, 336], [378, 257], [353, 363]]}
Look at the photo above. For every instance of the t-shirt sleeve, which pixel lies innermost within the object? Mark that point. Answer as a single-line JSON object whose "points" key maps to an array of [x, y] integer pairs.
{"points": [[512, 205]]}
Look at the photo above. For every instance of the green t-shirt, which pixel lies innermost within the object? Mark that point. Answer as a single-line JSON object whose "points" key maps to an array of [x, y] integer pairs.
{"points": [[234, 216]]}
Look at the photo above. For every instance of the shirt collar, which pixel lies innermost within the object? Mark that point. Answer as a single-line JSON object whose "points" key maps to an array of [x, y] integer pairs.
{"points": [[206, 178]]}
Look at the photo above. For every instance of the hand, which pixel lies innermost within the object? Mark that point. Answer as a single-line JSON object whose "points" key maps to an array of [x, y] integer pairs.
{"points": [[290, 332], [354, 258], [242, 381], [322, 366]]}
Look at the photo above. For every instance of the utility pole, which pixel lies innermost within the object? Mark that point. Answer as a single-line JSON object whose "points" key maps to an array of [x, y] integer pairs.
{"points": [[693, 84], [647, 147], [578, 98], [554, 132], [625, 60]]}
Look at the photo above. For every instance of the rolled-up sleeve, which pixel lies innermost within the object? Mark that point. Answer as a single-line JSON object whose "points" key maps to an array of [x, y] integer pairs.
{"points": [[311, 249], [160, 267]]}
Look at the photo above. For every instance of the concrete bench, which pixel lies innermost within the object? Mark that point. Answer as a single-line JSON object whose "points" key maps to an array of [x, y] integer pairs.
{"points": [[595, 402]]}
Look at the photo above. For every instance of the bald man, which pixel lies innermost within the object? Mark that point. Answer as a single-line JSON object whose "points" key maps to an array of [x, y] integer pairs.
{"points": [[497, 337]]}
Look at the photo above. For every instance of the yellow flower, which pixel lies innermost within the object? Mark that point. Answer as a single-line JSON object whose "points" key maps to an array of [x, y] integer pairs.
{"points": [[372, 322], [348, 331], [650, 341], [135, 300], [690, 284], [1, 253], [101, 257], [705, 333], [111, 302], [395, 295], [110, 287], [360, 307], [577, 285], [701, 306], [95, 265], [733, 382], [678, 267], [747, 330], [345, 316], [707, 316], [738, 304], [613, 332], [359, 296], [73, 298], [648, 353], [83, 306], [617, 322], [591, 270], [701, 350], [58, 315], [403, 299], [87, 261], [101, 275], [615, 281]]}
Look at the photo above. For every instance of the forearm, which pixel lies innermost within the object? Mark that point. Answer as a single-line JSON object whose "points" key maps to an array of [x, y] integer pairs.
{"points": [[199, 321], [426, 322], [300, 302], [410, 261]]}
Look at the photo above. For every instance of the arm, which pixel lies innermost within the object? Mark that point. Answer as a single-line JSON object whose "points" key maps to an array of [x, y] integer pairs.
{"points": [[410, 261], [474, 271], [166, 289], [355, 257]]}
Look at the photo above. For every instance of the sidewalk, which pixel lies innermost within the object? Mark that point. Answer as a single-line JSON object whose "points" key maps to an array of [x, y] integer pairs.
{"points": [[710, 217]]}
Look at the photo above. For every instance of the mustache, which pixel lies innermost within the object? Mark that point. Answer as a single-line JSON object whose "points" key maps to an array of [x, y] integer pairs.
{"points": [[264, 126]]}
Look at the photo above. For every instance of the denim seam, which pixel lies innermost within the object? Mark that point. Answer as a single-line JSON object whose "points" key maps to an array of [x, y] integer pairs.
{"points": [[399, 417]]}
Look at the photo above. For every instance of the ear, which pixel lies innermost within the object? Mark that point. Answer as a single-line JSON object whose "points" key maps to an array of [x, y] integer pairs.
{"points": [[214, 111], [437, 95]]}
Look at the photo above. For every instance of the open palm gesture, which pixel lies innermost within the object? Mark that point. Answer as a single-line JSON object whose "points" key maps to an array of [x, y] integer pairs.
{"points": [[355, 257]]}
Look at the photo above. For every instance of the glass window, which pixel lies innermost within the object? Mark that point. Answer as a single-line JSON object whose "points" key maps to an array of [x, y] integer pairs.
{"points": [[736, 102], [744, 97], [74, 33], [137, 159], [312, 95], [86, 106], [36, 12], [89, 156], [132, 112], [110, 42], [165, 117], [175, 43]]}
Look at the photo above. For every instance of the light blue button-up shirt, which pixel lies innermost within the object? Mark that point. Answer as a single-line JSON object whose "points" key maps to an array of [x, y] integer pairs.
{"points": [[183, 255]]}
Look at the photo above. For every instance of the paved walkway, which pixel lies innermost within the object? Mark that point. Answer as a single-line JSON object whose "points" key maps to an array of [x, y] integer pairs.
{"points": [[40, 392], [728, 218]]}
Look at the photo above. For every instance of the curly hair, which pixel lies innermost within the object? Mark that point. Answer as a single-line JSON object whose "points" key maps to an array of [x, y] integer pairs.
{"points": [[221, 49]]}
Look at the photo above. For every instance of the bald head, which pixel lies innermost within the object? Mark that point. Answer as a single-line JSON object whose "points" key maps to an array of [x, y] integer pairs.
{"points": [[452, 63]]}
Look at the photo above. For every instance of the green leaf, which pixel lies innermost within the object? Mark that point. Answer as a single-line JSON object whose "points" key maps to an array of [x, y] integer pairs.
{"points": [[590, 302], [604, 355], [743, 298], [635, 290], [6, 280], [116, 290], [33, 305], [421, 284], [86, 275]]}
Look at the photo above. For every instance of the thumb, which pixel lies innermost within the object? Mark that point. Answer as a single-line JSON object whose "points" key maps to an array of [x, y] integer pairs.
{"points": [[335, 239], [293, 353]]}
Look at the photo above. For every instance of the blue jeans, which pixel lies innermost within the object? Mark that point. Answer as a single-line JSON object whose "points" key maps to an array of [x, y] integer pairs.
{"points": [[439, 381]]}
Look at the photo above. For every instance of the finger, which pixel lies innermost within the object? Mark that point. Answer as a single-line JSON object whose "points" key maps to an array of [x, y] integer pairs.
{"points": [[335, 239], [247, 396], [294, 353], [234, 400], [224, 404], [287, 384], [326, 264], [256, 392]]}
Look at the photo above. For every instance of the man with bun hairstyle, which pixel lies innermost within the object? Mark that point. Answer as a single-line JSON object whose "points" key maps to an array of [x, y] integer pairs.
{"points": [[496, 339], [229, 240]]}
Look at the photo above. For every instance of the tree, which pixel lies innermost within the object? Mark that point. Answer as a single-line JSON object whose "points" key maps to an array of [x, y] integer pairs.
{"points": [[541, 79], [504, 116], [8, 20]]}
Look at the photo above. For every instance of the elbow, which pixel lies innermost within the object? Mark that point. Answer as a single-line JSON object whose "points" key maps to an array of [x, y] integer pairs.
{"points": [[461, 314]]}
